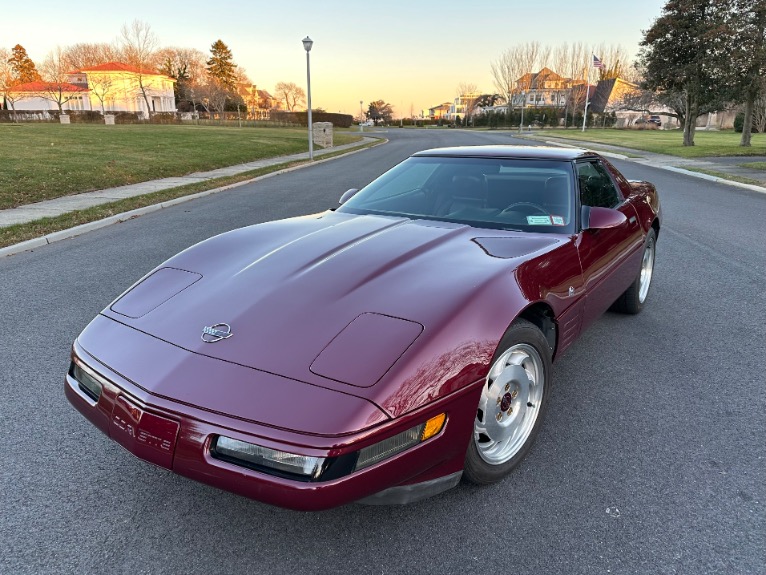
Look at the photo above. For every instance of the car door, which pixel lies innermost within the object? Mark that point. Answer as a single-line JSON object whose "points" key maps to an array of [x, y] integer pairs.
{"points": [[608, 256]]}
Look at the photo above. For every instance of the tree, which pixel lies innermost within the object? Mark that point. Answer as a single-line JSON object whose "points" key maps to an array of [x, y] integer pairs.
{"points": [[100, 86], [292, 94], [679, 55], [139, 44], [8, 81], [615, 60], [56, 86], [23, 67], [505, 71], [221, 66], [467, 94], [187, 66], [747, 54], [379, 111], [86, 55], [213, 96]]}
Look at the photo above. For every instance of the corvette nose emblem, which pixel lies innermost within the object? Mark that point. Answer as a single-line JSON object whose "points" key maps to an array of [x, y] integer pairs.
{"points": [[216, 332]]}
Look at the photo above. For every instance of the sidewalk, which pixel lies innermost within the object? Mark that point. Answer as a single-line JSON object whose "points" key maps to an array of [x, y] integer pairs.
{"points": [[723, 165], [65, 204]]}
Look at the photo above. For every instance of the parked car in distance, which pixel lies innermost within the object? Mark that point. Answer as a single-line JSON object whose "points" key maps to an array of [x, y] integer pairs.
{"points": [[650, 123], [380, 351]]}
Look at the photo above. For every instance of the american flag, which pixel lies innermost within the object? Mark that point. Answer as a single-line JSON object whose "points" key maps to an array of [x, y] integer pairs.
{"points": [[597, 63]]}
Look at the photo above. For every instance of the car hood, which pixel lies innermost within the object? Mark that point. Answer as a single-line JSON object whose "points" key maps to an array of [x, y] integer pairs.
{"points": [[333, 300]]}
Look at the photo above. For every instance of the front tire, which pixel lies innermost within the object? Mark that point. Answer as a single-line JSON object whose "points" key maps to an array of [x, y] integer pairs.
{"points": [[513, 402]]}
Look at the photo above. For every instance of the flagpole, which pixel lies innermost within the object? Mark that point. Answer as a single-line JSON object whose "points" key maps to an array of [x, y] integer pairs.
{"points": [[587, 93]]}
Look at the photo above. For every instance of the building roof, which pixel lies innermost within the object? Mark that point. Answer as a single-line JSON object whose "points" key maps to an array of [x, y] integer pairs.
{"points": [[40, 86], [604, 91]]}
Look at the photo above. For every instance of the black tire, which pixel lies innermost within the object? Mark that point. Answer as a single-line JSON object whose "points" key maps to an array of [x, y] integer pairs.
{"points": [[634, 298], [490, 457]]}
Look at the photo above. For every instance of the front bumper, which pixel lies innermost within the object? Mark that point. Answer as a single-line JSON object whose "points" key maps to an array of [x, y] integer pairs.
{"points": [[179, 437]]}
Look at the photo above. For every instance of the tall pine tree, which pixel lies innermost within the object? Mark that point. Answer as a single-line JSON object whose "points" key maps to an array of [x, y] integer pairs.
{"points": [[221, 66], [22, 65]]}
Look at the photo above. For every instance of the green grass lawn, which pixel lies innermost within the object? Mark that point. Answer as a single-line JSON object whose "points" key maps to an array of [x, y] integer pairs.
{"points": [[753, 165], [43, 161], [724, 143]]}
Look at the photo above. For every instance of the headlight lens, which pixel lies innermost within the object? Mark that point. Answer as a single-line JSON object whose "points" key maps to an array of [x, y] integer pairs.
{"points": [[259, 456], [87, 379]]}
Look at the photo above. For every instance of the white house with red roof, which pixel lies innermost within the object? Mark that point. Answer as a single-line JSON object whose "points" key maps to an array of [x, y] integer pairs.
{"points": [[110, 87]]}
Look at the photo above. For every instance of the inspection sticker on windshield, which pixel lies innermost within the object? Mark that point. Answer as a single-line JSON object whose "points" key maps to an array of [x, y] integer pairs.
{"points": [[539, 220], [557, 220]]}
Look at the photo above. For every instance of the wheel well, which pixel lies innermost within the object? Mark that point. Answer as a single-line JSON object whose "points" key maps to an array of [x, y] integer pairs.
{"points": [[541, 315]]}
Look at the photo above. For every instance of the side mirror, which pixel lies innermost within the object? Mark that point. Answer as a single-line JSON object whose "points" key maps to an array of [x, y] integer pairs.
{"points": [[596, 218], [347, 195]]}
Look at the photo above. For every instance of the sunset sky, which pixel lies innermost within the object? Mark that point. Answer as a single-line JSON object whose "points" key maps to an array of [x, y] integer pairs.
{"points": [[411, 54]]}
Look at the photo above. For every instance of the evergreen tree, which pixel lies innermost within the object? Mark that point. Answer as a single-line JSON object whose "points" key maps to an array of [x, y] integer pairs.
{"points": [[22, 65], [221, 66]]}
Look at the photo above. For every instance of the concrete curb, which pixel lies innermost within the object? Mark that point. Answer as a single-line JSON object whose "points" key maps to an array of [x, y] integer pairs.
{"points": [[36, 243], [751, 187]]}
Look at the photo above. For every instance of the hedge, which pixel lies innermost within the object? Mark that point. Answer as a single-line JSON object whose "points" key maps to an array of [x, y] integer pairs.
{"points": [[337, 120]]}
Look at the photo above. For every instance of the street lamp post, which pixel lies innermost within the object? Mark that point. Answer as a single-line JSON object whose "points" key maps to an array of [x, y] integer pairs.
{"points": [[361, 117], [307, 44]]}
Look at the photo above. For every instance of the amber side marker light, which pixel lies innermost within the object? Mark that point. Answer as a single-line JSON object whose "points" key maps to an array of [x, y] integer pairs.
{"points": [[401, 442], [433, 426]]}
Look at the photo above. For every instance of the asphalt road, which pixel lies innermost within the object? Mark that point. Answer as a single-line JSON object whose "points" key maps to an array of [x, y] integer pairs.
{"points": [[651, 460]]}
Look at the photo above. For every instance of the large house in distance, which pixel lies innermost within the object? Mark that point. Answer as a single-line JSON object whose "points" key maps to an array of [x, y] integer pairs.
{"points": [[111, 87], [259, 103]]}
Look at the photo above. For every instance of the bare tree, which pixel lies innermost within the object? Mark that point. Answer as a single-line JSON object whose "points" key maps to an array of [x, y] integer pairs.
{"points": [[139, 45], [212, 95], [560, 61], [467, 94], [576, 70], [56, 86], [100, 86], [506, 70], [615, 60], [291, 93], [86, 55], [529, 56]]}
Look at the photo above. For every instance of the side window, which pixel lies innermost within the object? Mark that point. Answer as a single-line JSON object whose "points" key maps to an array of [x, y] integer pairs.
{"points": [[596, 187]]}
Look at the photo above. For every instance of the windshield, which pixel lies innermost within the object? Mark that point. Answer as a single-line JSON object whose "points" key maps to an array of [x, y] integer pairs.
{"points": [[534, 195]]}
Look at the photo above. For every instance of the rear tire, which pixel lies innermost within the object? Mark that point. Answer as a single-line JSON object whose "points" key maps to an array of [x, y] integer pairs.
{"points": [[634, 298], [512, 405]]}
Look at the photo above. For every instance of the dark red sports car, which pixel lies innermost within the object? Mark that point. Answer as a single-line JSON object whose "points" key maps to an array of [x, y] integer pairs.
{"points": [[378, 351]]}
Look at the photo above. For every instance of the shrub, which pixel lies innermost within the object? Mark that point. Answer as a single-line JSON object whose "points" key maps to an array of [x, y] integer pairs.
{"points": [[85, 117], [164, 118], [337, 120], [125, 118]]}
